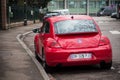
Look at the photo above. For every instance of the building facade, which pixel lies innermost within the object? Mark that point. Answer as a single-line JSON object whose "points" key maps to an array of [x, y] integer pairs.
{"points": [[81, 6]]}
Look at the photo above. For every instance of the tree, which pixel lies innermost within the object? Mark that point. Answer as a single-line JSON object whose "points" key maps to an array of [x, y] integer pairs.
{"points": [[43, 3], [39, 3]]}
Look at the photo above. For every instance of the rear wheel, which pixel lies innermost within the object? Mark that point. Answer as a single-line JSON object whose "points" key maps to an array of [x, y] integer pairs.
{"points": [[104, 65], [44, 64], [36, 56], [46, 67]]}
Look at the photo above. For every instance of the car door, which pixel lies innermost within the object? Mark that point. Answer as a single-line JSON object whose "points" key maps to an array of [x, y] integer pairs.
{"points": [[45, 33]]}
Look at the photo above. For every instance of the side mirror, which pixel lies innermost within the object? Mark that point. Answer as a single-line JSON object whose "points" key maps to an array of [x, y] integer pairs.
{"points": [[37, 30]]}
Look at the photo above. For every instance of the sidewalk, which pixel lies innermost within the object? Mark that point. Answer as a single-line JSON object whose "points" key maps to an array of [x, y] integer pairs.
{"points": [[15, 63]]}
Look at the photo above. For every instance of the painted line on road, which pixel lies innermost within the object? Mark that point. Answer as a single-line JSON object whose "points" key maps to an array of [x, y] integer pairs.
{"points": [[114, 32], [112, 68], [119, 72], [39, 66]]}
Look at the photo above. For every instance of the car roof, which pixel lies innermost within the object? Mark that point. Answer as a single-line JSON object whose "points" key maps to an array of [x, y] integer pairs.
{"points": [[69, 17]]}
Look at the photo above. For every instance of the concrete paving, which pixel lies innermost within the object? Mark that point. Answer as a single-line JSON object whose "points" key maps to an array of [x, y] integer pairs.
{"points": [[15, 63]]}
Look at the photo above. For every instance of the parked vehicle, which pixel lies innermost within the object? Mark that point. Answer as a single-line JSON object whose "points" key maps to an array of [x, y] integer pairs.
{"points": [[72, 40], [63, 11], [106, 11], [118, 11], [56, 13], [114, 15], [50, 14]]}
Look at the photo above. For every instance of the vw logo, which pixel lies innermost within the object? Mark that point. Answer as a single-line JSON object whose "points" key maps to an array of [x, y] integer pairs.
{"points": [[79, 41]]}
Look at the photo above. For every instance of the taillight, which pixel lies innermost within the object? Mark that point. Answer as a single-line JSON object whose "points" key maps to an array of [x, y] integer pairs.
{"points": [[53, 43], [103, 41]]}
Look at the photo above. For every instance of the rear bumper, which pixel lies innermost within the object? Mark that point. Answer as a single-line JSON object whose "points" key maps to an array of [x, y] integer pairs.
{"points": [[58, 56]]}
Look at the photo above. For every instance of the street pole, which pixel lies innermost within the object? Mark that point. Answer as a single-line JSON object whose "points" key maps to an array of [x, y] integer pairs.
{"points": [[25, 13], [33, 13], [9, 13], [65, 4], [118, 11], [109, 2], [3, 15], [87, 7]]}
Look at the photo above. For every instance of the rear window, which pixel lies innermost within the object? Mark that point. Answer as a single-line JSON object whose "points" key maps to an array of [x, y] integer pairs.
{"points": [[74, 26]]}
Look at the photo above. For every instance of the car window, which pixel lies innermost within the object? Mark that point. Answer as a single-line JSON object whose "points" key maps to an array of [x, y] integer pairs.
{"points": [[74, 26], [110, 9], [101, 9], [107, 9], [46, 27]]}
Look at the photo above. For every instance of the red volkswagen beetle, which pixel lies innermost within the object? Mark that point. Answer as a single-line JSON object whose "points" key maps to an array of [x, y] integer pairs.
{"points": [[72, 40]]}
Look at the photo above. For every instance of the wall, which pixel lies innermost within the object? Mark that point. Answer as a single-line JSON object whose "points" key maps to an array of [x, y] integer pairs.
{"points": [[3, 17], [0, 17]]}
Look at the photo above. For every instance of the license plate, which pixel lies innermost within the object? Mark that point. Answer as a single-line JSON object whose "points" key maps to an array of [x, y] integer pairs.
{"points": [[81, 56]]}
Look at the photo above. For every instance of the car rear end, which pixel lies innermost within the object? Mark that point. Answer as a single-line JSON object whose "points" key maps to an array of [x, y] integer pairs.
{"points": [[77, 41]]}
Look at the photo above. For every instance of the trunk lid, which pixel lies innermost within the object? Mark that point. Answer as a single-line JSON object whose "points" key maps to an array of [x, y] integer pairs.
{"points": [[78, 41]]}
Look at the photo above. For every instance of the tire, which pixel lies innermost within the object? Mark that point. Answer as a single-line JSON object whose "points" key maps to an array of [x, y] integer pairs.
{"points": [[107, 66], [36, 56], [46, 67], [44, 64], [98, 15]]}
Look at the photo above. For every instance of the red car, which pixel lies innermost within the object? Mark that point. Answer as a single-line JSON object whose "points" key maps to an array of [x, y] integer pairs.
{"points": [[72, 40]]}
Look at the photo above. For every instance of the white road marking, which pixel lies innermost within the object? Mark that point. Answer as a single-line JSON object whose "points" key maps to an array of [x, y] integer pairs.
{"points": [[114, 32], [119, 72], [112, 68]]}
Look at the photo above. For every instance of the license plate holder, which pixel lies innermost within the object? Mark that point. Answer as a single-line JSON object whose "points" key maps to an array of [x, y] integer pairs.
{"points": [[81, 56]]}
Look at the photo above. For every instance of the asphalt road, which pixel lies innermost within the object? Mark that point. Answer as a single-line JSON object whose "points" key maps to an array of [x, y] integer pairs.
{"points": [[109, 27]]}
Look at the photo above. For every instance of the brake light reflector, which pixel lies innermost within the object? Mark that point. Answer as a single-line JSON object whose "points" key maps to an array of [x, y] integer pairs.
{"points": [[103, 41], [53, 43]]}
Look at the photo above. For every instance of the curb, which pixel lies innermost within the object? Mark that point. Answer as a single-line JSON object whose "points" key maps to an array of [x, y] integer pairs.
{"points": [[20, 38]]}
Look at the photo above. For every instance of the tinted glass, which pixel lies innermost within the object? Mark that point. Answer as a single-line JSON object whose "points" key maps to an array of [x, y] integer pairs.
{"points": [[47, 27], [74, 26]]}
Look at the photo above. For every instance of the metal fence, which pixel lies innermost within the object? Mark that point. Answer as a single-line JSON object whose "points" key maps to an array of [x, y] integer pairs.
{"points": [[17, 13], [79, 6]]}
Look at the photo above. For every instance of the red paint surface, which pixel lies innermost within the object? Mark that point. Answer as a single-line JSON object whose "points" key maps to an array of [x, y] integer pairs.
{"points": [[58, 48]]}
